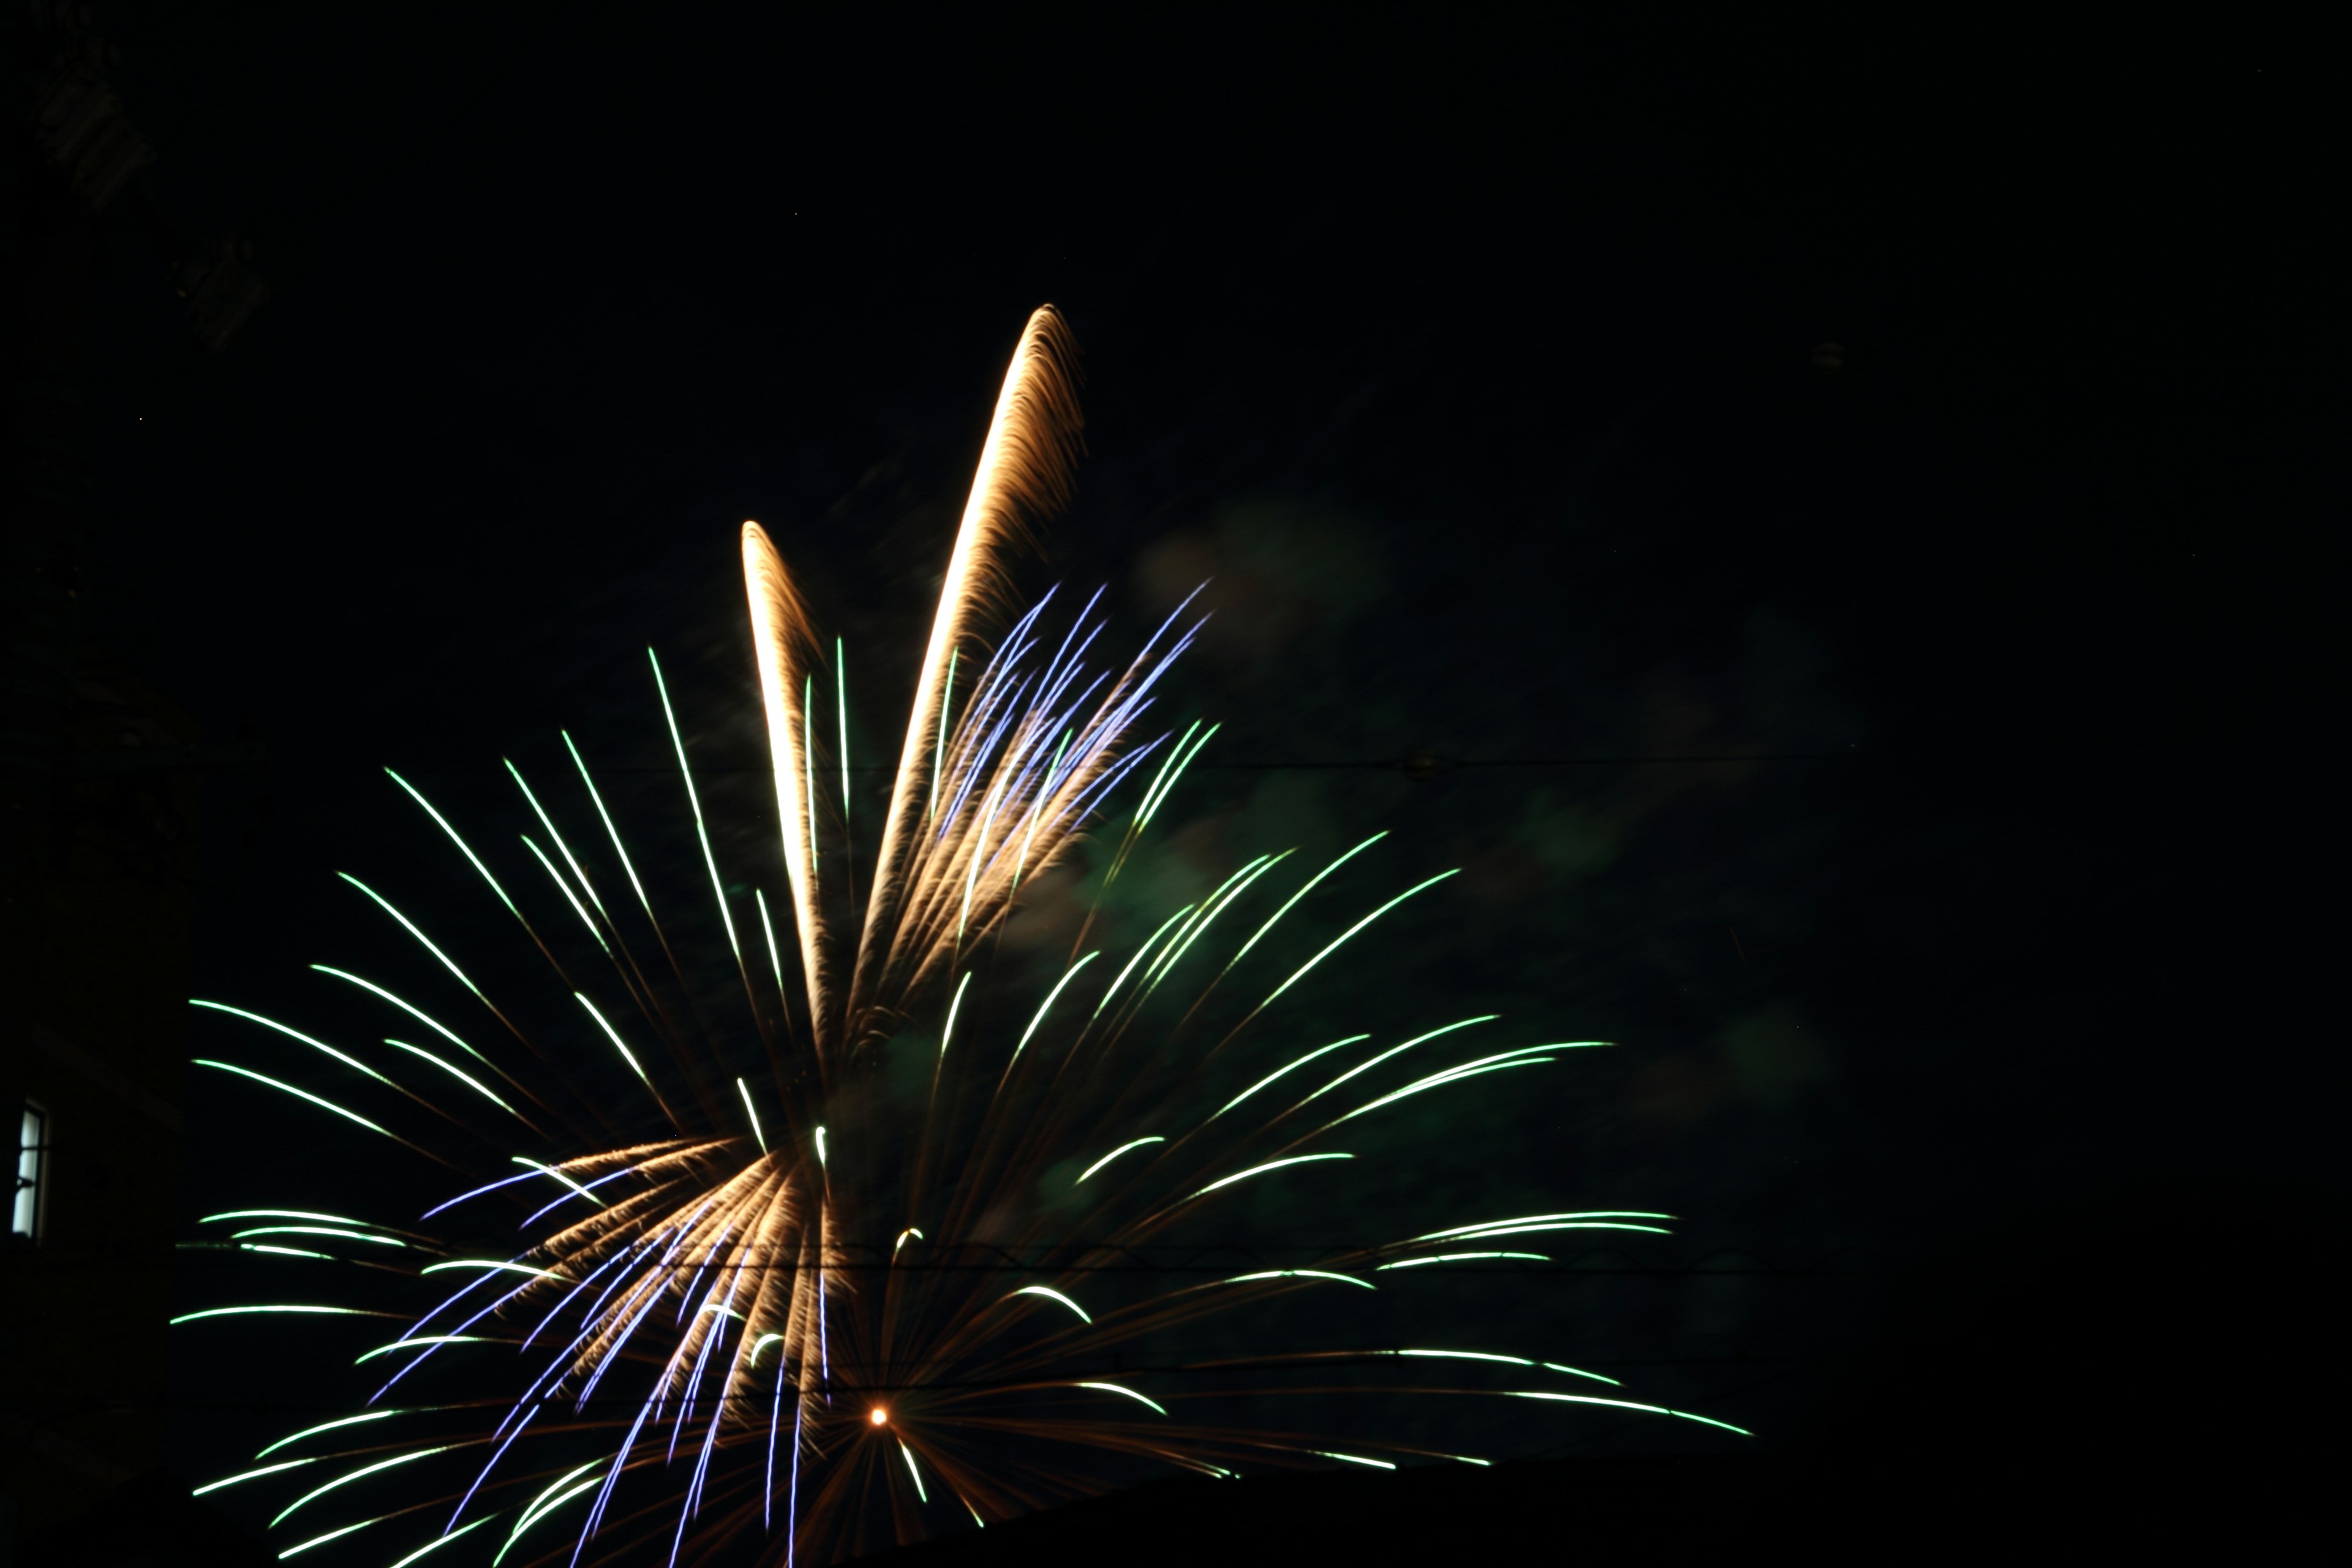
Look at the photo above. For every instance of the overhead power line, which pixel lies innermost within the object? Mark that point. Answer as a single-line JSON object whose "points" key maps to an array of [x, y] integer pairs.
{"points": [[1416, 764]]}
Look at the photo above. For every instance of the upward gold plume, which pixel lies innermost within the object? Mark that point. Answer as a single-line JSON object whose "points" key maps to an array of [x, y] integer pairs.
{"points": [[785, 645], [1024, 470]]}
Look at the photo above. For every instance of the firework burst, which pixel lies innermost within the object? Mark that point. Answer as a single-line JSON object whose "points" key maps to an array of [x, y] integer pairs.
{"points": [[888, 1281]]}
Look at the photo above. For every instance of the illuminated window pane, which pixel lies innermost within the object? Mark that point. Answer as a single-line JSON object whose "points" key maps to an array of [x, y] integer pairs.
{"points": [[32, 1148]]}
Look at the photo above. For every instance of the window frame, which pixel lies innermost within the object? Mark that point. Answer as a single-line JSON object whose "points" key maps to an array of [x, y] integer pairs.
{"points": [[30, 1201]]}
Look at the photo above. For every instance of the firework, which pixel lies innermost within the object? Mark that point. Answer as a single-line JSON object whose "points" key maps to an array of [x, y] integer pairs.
{"points": [[863, 1253]]}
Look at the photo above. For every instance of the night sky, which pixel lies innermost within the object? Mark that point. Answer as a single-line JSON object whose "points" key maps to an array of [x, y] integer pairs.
{"points": [[1945, 422]]}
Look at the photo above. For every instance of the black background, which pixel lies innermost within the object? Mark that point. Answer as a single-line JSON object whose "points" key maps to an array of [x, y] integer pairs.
{"points": [[1477, 362]]}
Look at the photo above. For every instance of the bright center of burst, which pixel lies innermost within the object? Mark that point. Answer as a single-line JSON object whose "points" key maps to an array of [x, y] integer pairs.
{"points": [[879, 1416]]}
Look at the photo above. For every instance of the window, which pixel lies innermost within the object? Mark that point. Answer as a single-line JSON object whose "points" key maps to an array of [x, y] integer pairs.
{"points": [[32, 1168]]}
